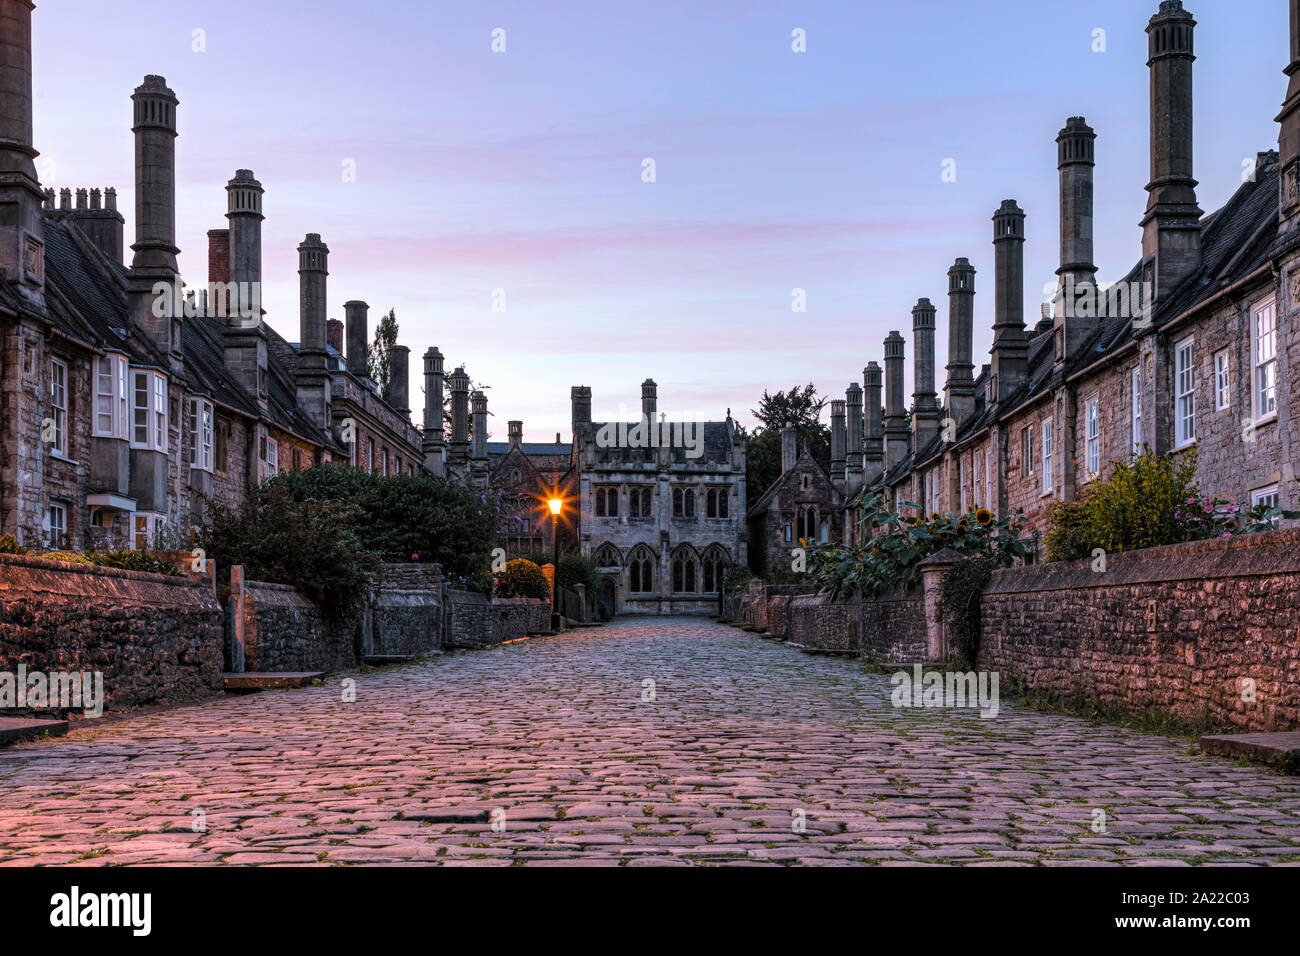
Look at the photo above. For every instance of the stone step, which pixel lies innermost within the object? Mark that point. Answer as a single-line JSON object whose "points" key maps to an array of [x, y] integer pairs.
{"points": [[1282, 750], [17, 729], [255, 680]]}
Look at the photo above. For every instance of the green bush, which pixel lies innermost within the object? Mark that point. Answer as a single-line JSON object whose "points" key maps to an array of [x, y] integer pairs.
{"points": [[736, 576], [895, 545], [129, 560], [9, 545], [1068, 537], [576, 568], [417, 518], [310, 544], [68, 557], [521, 578], [959, 603]]}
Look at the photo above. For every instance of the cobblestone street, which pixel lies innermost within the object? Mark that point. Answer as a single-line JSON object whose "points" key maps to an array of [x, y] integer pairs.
{"points": [[744, 739]]}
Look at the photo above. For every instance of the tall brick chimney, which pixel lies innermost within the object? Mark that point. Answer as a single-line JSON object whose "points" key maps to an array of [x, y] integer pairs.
{"points": [[434, 437], [1075, 321], [155, 216], [1289, 137], [517, 434], [873, 455], [1010, 366], [1171, 234], [897, 434], [22, 228], [853, 467], [959, 391], [244, 213], [334, 335], [925, 404], [458, 454], [789, 448], [358, 332], [312, 378], [218, 255], [649, 400], [399, 380], [838, 441]]}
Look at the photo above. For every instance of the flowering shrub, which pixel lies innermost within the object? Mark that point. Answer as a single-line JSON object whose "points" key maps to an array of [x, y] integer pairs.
{"points": [[9, 545], [897, 544], [522, 578], [1149, 501]]}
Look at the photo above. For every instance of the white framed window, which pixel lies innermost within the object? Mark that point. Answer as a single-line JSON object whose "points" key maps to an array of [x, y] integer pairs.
{"points": [[1135, 419], [201, 434], [979, 479], [59, 405], [149, 410], [1264, 329], [272, 458], [1092, 444], [962, 478], [1047, 454], [1027, 449], [112, 405], [1184, 393], [146, 527], [1222, 381], [56, 525], [1268, 497]]}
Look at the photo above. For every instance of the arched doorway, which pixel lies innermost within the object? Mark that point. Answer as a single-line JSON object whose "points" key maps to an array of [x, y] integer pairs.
{"points": [[608, 599]]}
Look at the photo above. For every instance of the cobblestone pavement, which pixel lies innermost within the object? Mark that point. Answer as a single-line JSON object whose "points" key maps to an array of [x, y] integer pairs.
{"points": [[743, 739]]}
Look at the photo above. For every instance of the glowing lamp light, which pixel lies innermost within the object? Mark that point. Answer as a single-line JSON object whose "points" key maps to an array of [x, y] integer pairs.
{"points": [[555, 504]]}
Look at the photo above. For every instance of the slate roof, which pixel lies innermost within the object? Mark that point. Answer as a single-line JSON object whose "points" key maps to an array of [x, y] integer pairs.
{"points": [[717, 442]]}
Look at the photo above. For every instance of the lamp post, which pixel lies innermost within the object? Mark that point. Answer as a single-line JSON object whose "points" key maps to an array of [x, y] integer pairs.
{"points": [[556, 504]]}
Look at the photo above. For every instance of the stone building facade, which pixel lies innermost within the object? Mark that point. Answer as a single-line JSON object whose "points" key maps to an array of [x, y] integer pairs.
{"points": [[127, 399], [1197, 347]]}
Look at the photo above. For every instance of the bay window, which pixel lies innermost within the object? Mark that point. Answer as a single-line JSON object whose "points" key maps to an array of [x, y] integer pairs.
{"points": [[201, 438], [149, 410], [112, 407]]}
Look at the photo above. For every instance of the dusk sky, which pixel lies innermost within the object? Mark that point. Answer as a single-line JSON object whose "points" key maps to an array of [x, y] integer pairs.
{"points": [[522, 171]]}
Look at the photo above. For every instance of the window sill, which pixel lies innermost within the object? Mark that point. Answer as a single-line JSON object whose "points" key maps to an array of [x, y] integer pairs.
{"points": [[57, 456], [1269, 419]]}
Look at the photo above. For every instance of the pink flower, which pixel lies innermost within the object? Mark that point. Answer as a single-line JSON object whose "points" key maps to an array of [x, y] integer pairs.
{"points": [[415, 557], [1226, 534], [1178, 516], [1209, 509]]}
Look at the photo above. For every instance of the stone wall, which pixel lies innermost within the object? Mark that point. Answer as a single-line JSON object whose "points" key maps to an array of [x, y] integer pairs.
{"points": [[283, 631], [514, 618], [474, 621], [891, 627], [1176, 630], [156, 639]]}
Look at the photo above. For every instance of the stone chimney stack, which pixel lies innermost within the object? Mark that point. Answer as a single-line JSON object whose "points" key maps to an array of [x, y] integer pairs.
{"points": [[838, 441], [155, 216], [873, 455], [959, 393], [789, 448], [1076, 321], [458, 453], [399, 380], [1010, 366], [649, 400], [478, 447], [580, 405], [22, 229], [358, 332], [853, 402], [312, 378], [1289, 138], [1171, 234], [896, 431], [334, 335], [517, 434], [244, 214], [434, 437], [925, 404]]}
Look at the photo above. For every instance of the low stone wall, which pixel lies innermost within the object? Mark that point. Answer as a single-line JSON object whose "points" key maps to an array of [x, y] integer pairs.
{"points": [[156, 639], [283, 631], [1182, 630], [413, 577], [406, 622], [474, 621], [891, 627]]}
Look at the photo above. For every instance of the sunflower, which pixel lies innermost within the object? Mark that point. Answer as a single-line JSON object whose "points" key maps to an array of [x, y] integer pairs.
{"points": [[984, 517]]}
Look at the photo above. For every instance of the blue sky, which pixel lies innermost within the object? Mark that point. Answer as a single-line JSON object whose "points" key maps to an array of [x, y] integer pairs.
{"points": [[522, 171]]}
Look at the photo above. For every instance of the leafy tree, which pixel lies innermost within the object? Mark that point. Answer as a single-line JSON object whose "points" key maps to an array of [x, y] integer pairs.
{"points": [[800, 407], [522, 578], [377, 363]]}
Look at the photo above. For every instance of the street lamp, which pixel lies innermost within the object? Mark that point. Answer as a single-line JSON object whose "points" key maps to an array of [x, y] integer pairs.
{"points": [[556, 504]]}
